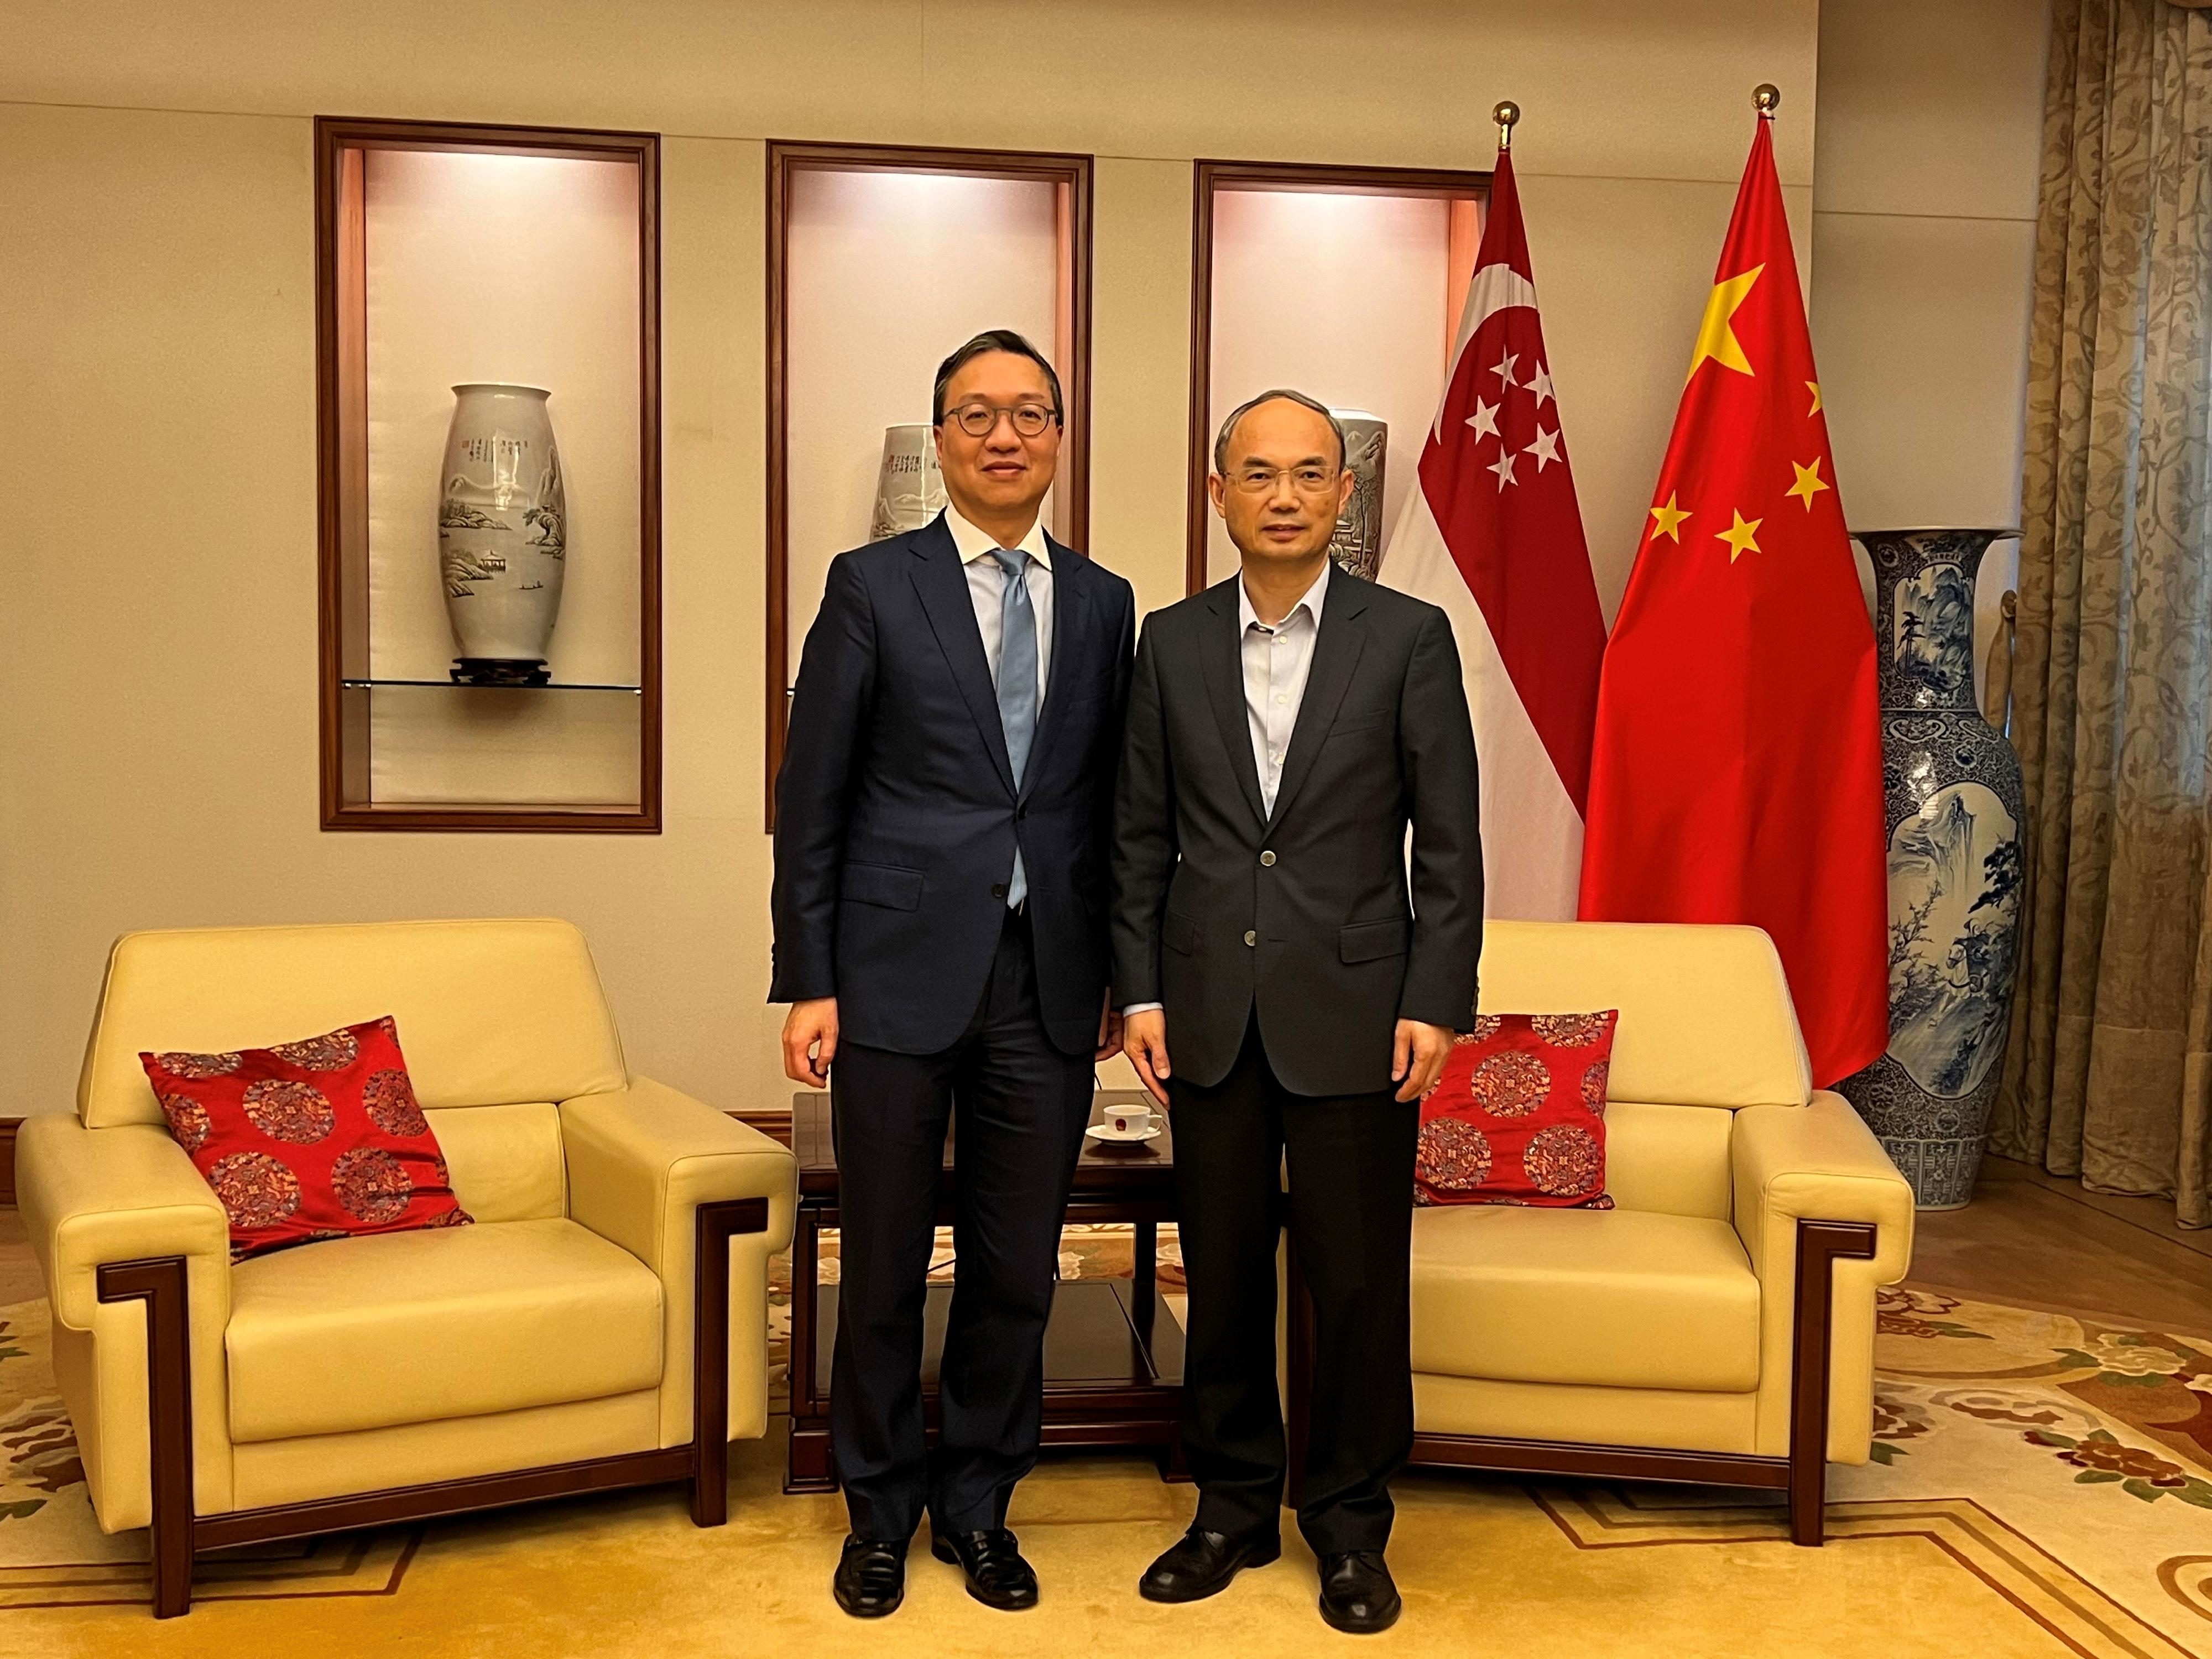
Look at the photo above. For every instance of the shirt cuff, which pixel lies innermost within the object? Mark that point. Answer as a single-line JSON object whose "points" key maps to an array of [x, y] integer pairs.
{"points": [[1141, 1008]]}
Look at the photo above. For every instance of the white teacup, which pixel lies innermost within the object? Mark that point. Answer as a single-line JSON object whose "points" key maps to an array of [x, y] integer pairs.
{"points": [[1128, 1117]]}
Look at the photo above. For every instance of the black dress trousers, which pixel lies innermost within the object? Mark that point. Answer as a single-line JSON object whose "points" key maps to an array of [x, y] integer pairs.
{"points": [[1019, 1106], [1350, 1208]]}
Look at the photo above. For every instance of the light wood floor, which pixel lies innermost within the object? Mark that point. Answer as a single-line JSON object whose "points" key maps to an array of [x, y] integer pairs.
{"points": [[2044, 1242], [2029, 1238]]}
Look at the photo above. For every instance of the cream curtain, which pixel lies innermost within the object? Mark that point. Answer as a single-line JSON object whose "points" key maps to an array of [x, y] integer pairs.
{"points": [[2108, 1075]]}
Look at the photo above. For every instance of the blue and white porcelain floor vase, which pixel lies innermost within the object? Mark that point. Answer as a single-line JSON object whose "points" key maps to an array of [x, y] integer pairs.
{"points": [[1955, 814]]}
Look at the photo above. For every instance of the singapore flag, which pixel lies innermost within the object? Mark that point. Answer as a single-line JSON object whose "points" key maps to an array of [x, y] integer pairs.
{"points": [[1494, 536]]}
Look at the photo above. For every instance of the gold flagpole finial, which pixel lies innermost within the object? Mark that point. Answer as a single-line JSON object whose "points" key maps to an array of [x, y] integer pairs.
{"points": [[1505, 115], [1767, 98]]}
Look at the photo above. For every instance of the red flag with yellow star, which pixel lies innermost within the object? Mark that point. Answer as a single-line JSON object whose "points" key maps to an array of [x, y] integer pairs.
{"points": [[1736, 776]]}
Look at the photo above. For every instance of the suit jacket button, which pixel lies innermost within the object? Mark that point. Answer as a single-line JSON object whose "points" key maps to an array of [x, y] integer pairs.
{"points": [[1251, 937], [1268, 857], [998, 890]]}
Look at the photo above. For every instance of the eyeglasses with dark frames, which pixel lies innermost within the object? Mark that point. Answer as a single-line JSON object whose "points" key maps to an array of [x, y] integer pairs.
{"points": [[980, 420]]}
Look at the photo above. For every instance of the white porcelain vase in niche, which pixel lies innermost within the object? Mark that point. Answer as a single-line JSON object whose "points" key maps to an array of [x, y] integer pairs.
{"points": [[502, 533], [909, 489]]}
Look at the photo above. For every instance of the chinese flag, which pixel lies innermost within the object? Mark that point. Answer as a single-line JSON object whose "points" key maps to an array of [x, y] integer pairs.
{"points": [[1736, 774]]}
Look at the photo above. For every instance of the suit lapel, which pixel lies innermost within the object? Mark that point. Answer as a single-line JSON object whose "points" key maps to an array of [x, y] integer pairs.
{"points": [[1071, 599], [1336, 653], [942, 584], [1223, 659]]}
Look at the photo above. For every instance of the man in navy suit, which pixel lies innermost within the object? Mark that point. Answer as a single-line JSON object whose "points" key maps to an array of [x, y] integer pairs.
{"points": [[942, 819]]}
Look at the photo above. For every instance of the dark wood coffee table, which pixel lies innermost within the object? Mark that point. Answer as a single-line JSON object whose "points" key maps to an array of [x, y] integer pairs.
{"points": [[1112, 1353]]}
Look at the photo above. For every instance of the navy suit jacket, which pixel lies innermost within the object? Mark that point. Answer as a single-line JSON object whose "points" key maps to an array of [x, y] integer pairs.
{"points": [[897, 811]]}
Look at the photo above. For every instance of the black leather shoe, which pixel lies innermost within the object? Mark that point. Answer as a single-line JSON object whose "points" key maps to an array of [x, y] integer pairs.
{"points": [[1357, 1594], [1200, 1564], [870, 1578], [997, 1575]]}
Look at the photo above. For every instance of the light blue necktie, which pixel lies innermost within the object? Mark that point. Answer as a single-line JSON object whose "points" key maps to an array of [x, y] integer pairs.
{"points": [[1018, 683]]}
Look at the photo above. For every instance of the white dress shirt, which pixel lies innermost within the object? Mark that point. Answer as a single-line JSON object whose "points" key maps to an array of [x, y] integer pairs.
{"points": [[1277, 662], [987, 590]]}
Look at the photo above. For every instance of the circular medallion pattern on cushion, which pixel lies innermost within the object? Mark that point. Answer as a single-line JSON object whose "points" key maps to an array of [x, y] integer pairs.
{"points": [[390, 1100], [256, 1190], [1511, 1084], [1568, 1030], [285, 1109], [197, 1067], [1452, 1155], [329, 1053], [1594, 1085], [188, 1121], [372, 1185], [1563, 1161], [1486, 1027]]}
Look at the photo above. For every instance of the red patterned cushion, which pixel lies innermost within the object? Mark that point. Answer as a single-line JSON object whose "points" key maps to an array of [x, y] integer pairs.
{"points": [[1518, 1117], [319, 1138]]}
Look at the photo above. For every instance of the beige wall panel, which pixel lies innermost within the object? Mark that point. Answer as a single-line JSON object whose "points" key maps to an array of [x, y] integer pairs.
{"points": [[1140, 388], [690, 938], [1931, 106], [1408, 82], [1140, 370], [157, 759], [828, 69], [1921, 329]]}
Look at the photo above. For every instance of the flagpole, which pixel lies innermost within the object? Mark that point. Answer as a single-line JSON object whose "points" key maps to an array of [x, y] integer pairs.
{"points": [[1505, 115], [1767, 98]]}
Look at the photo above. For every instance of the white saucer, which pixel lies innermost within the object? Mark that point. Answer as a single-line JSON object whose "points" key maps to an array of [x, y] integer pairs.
{"points": [[1106, 1132]]}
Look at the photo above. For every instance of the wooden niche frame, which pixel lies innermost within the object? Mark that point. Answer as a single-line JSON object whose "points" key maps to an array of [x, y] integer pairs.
{"points": [[1211, 179], [342, 455], [1072, 175]]}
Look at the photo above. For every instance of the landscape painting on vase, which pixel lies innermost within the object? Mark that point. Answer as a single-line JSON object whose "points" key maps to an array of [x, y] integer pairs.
{"points": [[1953, 892], [1934, 641]]}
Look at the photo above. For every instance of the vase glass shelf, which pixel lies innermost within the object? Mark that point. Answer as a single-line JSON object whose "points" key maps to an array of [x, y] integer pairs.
{"points": [[487, 335], [381, 684]]}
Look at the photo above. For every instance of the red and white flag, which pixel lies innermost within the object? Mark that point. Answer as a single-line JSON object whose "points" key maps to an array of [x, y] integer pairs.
{"points": [[1494, 537]]}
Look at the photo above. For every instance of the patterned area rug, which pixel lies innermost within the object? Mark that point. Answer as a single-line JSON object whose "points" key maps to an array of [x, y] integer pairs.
{"points": [[2063, 1465]]}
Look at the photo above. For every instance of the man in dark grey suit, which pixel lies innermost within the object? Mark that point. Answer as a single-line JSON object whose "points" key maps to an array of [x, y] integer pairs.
{"points": [[1286, 726]]}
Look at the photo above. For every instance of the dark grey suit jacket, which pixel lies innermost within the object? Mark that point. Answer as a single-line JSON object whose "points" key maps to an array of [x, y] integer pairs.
{"points": [[1219, 908]]}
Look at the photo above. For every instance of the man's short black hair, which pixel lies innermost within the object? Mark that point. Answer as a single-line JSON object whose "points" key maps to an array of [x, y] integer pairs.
{"points": [[993, 339]]}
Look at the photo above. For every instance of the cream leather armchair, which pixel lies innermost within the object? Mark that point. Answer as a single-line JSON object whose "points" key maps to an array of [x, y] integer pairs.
{"points": [[548, 1349], [1718, 1326]]}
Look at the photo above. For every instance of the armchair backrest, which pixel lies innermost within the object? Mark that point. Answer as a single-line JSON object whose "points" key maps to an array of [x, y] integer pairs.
{"points": [[490, 1013], [1706, 1024], [1705, 1015]]}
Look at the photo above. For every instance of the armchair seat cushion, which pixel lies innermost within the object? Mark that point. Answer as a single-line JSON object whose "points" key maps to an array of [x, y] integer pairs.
{"points": [[415, 1327], [1622, 1298]]}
